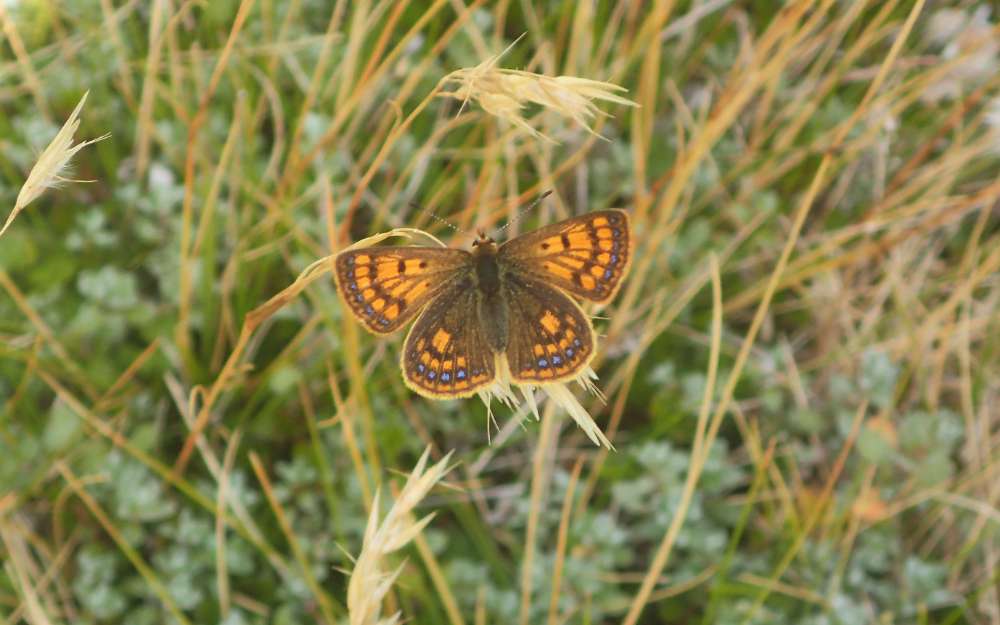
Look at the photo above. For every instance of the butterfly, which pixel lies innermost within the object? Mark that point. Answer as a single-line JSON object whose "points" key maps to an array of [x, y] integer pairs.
{"points": [[497, 310]]}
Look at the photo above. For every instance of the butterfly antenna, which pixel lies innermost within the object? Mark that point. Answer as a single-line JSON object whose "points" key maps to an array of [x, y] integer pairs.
{"points": [[435, 217], [524, 210]]}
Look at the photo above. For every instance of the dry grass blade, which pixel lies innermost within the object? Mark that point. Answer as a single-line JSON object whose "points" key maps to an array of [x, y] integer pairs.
{"points": [[562, 539], [325, 603], [48, 170], [702, 443], [12, 536], [370, 582]]}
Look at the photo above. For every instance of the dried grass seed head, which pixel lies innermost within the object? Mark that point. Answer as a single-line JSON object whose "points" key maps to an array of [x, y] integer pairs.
{"points": [[504, 93], [370, 582], [559, 392], [51, 164]]}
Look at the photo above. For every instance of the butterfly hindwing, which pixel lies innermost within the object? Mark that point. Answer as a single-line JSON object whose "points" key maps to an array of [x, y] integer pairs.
{"points": [[386, 286], [586, 256], [446, 353], [550, 338]]}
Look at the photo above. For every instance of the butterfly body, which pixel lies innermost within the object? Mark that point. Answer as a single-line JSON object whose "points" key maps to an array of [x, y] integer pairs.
{"points": [[490, 306], [495, 311]]}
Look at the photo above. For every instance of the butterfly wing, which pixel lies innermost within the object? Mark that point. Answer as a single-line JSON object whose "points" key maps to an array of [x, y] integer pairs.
{"points": [[586, 255], [386, 286], [446, 354], [550, 338]]}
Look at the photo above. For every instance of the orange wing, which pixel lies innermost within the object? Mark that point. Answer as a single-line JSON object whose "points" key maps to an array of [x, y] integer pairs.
{"points": [[386, 286], [587, 255]]}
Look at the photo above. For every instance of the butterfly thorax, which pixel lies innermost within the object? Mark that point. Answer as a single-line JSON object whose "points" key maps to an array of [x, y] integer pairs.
{"points": [[487, 268]]}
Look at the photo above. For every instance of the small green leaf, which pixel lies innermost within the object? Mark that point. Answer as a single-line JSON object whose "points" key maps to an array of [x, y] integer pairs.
{"points": [[873, 446], [62, 428]]}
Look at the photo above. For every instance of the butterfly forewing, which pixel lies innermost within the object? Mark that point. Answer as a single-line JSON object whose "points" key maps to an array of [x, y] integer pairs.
{"points": [[550, 338], [386, 286], [446, 353], [586, 255]]}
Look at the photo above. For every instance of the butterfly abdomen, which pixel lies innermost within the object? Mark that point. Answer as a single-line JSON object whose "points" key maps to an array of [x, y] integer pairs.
{"points": [[492, 309], [493, 319]]}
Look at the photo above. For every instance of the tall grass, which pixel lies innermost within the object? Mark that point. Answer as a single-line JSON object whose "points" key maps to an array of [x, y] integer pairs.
{"points": [[800, 372]]}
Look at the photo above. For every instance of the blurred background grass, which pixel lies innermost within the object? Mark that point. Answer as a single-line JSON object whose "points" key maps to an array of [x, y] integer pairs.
{"points": [[838, 160]]}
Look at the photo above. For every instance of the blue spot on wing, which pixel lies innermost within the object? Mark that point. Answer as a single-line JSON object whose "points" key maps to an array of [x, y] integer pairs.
{"points": [[460, 374], [557, 360], [445, 377], [431, 375], [543, 363]]}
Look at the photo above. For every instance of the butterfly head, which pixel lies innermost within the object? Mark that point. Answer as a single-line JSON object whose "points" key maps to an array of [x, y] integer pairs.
{"points": [[484, 244]]}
